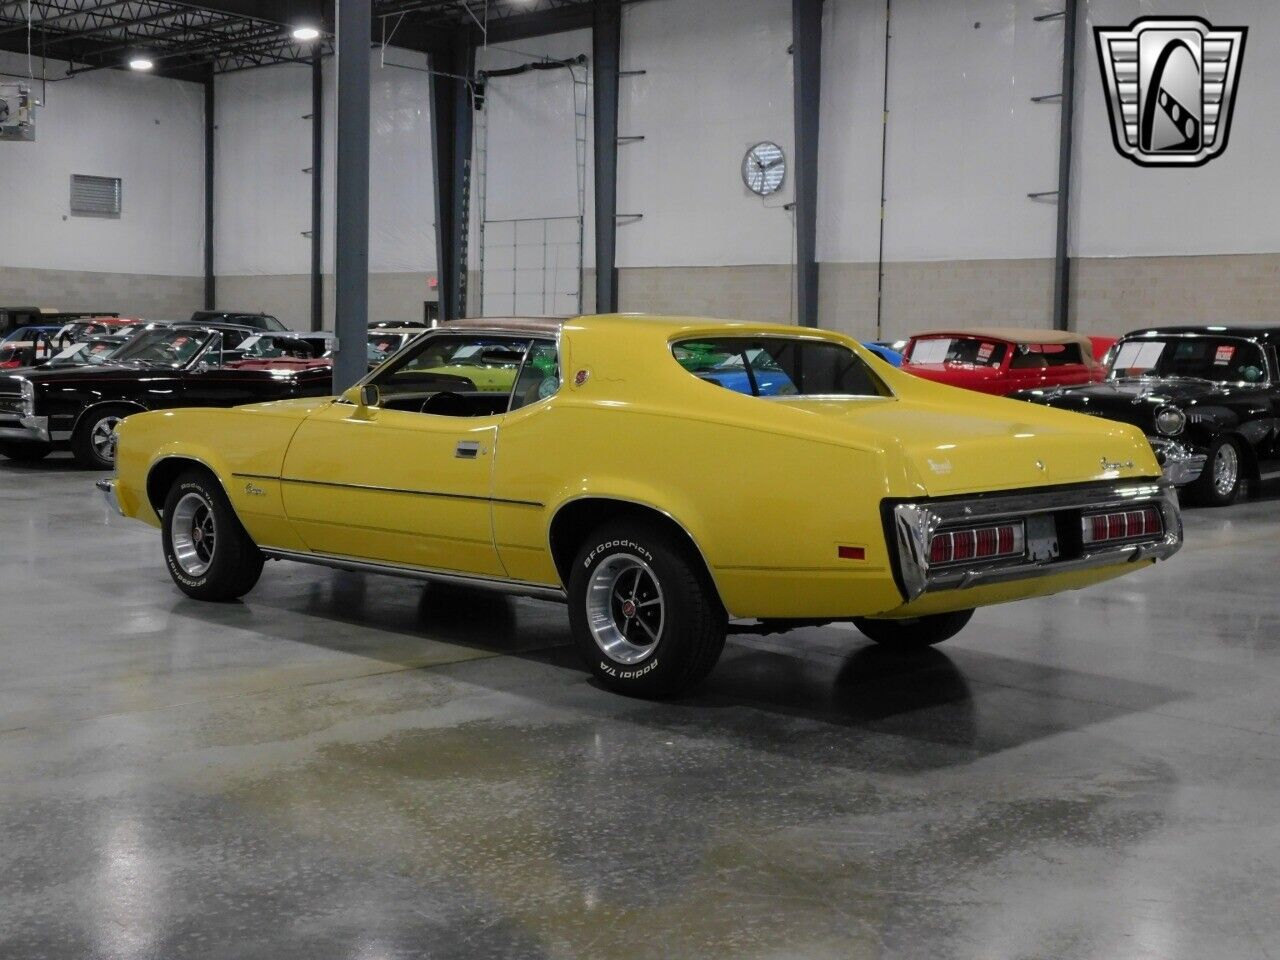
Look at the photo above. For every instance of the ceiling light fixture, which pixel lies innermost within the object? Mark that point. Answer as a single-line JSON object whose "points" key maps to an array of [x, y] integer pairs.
{"points": [[140, 63], [306, 34]]}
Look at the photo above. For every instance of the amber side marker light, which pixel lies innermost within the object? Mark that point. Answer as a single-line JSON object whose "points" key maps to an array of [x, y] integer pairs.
{"points": [[851, 553]]}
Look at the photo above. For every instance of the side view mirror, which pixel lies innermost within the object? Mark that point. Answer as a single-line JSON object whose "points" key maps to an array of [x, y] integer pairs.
{"points": [[201, 367], [367, 395]]}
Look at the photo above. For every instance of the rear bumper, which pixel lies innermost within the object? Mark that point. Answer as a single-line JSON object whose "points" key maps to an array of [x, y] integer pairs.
{"points": [[1180, 462], [914, 525]]}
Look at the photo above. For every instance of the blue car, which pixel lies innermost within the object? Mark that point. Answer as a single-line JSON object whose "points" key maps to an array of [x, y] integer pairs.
{"points": [[885, 353]]}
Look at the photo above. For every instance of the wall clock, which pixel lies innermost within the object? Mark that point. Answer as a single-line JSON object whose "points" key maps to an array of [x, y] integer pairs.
{"points": [[764, 168]]}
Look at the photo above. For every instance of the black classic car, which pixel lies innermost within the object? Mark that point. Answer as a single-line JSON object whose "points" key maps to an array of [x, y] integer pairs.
{"points": [[1208, 399], [79, 406], [255, 321]]}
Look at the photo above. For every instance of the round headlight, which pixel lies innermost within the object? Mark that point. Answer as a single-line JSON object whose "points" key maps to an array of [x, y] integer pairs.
{"points": [[1170, 421]]}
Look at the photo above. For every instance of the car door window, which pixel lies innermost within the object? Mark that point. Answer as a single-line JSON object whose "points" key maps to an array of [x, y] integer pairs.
{"points": [[454, 375]]}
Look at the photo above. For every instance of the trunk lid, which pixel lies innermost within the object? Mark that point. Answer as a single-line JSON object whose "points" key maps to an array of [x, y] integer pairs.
{"points": [[991, 444]]}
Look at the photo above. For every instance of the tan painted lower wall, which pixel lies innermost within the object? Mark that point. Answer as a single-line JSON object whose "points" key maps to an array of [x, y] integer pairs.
{"points": [[762, 292], [148, 295], [1107, 294]]}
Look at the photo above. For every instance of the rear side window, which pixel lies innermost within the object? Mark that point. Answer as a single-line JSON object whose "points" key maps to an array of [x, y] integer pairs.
{"points": [[779, 367], [1029, 356]]}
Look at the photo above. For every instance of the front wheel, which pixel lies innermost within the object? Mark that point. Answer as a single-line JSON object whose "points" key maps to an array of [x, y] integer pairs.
{"points": [[644, 613], [1221, 482], [915, 632], [207, 551], [94, 442], [22, 452]]}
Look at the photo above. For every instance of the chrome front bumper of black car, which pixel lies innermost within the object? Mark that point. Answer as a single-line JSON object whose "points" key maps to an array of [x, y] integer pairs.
{"points": [[1180, 463], [1060, 550], [28, 429]]}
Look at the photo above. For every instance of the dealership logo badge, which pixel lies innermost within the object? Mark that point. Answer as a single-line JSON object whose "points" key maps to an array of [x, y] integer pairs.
{"points": [[1171, 87]]}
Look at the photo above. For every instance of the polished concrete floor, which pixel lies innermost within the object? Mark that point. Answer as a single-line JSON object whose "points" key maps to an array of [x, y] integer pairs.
{"points": [[347, 766]]}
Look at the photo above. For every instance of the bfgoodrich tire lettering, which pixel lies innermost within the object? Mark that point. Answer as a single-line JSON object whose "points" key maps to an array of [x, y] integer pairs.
{"points": [[644, 613], [197, 513]]}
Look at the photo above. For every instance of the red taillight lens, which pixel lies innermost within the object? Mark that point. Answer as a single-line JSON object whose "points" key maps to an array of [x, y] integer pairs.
{"points": [[977, 543], [1122, 525]]}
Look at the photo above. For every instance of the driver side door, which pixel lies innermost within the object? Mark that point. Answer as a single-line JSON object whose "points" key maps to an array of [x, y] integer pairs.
{"points": [[407, 482]]}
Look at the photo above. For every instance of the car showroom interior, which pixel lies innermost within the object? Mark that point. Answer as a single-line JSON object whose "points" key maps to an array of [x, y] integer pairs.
{"points": [[639, 479]]}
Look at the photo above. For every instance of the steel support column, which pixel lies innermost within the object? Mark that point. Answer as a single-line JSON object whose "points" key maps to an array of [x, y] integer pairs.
{"points": [[210, 281], [452, 126], [317, 193], [606, 47], [806, 57], [1062, 263], [351, 224]]}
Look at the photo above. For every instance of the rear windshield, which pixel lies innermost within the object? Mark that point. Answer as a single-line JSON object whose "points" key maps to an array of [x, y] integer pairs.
{"points": [[779, 367], [1030, 356], [972, 350]]}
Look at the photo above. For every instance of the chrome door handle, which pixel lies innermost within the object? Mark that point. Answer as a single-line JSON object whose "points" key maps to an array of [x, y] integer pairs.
{"points": [[468, 449]]}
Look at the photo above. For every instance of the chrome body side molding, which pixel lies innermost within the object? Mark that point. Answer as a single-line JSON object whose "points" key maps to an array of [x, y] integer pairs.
{"points": [[518, 588]]}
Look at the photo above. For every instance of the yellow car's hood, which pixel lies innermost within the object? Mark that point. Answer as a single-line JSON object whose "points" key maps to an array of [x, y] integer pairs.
{"points": [[964, 451], [298, 407]]}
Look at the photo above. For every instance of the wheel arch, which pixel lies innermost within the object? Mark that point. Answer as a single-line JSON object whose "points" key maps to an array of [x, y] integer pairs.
{"points": [[134, 405], [574, 520], [167, 469]]}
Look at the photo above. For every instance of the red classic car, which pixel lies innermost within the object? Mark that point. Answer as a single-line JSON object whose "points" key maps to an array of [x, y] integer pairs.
{"points": [[1001, 361]]}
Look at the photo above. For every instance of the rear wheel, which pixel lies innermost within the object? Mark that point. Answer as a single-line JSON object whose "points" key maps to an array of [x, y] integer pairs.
{"points": [[1223, 477], [207, 551], [915, 632], [94, 442], [25, 452], [644, 613]]}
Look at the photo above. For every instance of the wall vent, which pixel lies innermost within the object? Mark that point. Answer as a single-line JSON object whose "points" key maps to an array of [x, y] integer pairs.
{"points": [[95, 196]]}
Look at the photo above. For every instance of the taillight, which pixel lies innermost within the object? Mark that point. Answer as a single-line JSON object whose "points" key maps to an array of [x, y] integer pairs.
{"points": [[1122, 525], [996, 542]]}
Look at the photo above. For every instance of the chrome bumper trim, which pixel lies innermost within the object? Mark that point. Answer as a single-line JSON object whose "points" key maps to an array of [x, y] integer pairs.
{"points": [[518, 588], [108, 489], [916, 523], [34, 429], [1180, 463]]}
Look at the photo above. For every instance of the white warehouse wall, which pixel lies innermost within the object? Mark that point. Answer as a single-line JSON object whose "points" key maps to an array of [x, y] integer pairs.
{"points": [[263, 197], [145, 130], [963, 244]]}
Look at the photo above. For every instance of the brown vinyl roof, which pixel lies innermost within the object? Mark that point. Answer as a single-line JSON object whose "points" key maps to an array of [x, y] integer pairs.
{"points": [[544, 326]]}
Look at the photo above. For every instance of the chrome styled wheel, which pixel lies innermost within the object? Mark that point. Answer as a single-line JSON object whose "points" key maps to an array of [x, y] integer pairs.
{"points": [[1226, 470], [625, 608], [193, 533], [102, 438]]}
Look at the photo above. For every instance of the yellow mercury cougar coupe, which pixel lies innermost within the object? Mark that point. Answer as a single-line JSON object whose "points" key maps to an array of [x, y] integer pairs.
{"points": [[661, 497]]}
